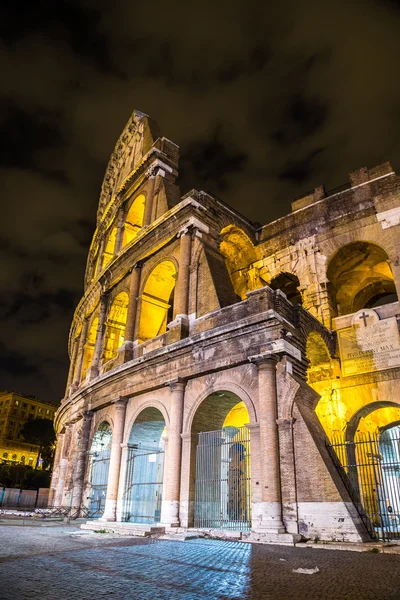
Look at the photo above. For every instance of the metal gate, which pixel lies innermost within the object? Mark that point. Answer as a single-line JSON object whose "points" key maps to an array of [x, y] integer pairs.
{"points": [[144, 481], [99, 467], [370, 469], [223, 480]]}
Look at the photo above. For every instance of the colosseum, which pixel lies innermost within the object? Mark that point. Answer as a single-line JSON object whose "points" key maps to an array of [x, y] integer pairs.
{"points": [[229, 377]]}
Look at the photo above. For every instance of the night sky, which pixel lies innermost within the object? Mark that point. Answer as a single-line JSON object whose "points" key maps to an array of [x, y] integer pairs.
{"points": [[265, 100]]}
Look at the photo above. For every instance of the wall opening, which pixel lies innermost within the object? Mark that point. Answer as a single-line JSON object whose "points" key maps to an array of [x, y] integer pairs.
{"points": [[157, 301], [145, 469]]}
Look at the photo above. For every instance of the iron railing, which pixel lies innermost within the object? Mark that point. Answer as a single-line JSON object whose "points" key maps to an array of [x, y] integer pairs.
{"points": [[370, 469], [223, 480], [143, 483]]}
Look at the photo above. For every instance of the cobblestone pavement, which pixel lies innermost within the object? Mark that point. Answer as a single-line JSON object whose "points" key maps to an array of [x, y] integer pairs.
{"points": [[57, 563]]}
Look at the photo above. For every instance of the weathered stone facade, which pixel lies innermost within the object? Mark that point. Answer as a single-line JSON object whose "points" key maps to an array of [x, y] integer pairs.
{"points": [[190, 309]]}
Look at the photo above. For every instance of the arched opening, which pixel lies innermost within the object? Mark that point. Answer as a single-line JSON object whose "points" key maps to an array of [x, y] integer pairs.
{"points": [[220, 464], [157, 301], [145, 468], [98, 468], [109, 249], [89, 346], [289, 285], [369, 457], [361, 277], [134, 220], [115, 327]]}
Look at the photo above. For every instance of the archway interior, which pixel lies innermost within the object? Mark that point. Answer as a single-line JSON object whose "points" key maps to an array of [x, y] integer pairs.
{"points": [[373, 463], [99, 465], [220, 463], [157, 301], [361, 277], [109, 249], [134, 220], [115, 328], [145, 466], [89, 346], [289, 284]]}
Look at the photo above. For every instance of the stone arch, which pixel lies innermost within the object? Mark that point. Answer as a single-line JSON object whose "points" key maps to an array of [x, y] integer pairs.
{"points": [[364, 411], [360, 277], [109, 247], [240, 254], [89, 344], [134, 218], [156, 300], [214, 388], [289, 284], [151, 403], [115, 326], [309, 325], [98, 419], [145, 467]]}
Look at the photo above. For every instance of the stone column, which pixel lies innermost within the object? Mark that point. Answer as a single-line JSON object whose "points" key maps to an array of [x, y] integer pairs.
{"points": [[288, 474], [56, 469], [115, 461], [120, 230], [72, 366], [181, 300], [271, 503], [81, 460], [98, 347], [100, 256], [172, 468], [121, 499], [127, 347], [81, 351], [188, 466], [148, 208]]}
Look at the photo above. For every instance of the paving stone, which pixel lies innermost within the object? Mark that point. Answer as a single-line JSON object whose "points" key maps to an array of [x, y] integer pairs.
{"points": [[54, 564]]}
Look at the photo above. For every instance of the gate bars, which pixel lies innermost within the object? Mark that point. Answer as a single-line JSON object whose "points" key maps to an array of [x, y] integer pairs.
{"points": [[223, 480], [144, 482], [370, 468]]}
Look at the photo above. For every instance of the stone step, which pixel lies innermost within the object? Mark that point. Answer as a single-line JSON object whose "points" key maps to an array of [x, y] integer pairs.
{"points": [[134, 529]]}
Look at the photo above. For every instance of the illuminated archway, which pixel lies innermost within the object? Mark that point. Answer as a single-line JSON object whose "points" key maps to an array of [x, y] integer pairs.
{"points": [[115, 328], [134, 220], [109, 249], [361, 277], [157, 301], [98, 468], [145, 468], [220, 463], [89, 346], [288, 284]]}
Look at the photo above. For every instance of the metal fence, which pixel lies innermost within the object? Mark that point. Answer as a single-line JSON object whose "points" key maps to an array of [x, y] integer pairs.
{"points": [[99, 466], [144, 481], [13, 498], [370, 468], [223, 480]]}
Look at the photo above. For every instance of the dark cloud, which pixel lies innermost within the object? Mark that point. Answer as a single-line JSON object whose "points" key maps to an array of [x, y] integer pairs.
{"points": [[265, 100]]}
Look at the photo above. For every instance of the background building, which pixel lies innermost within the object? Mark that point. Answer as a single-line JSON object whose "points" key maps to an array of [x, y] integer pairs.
{"points": [[223, 374], [15, 410]]}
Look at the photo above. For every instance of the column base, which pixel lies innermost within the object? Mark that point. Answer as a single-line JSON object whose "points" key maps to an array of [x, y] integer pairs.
{"points": [[92, 373], [267, 517], [178, 329], [170, 513], [126, 352], [110, 510]]}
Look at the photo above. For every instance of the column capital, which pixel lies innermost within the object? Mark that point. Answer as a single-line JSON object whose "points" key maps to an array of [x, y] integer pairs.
{"points": [[120, 403], [136, 266], [284, 424], [267, 361], [177, 384]]}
